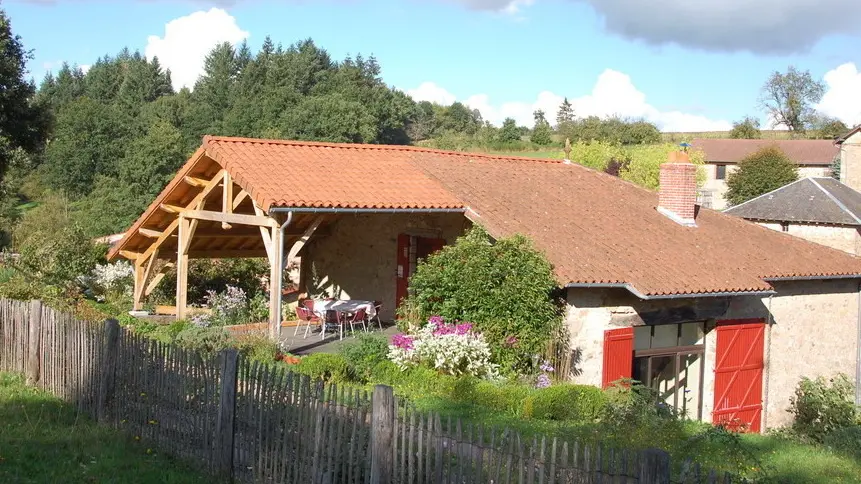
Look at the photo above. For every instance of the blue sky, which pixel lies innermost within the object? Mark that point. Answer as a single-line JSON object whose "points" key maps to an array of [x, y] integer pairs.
{"points": [[684, 67]]}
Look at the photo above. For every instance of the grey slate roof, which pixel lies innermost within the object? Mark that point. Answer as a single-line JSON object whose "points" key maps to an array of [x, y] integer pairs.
{"points": [[808, 200]]}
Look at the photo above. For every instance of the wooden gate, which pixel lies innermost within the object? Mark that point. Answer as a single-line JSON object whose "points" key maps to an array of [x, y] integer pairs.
{"points": [[618, 355], [738, 374]]}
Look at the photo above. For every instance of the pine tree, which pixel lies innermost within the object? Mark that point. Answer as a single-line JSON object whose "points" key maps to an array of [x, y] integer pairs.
{"points": [[565, 115], [541, 133]]}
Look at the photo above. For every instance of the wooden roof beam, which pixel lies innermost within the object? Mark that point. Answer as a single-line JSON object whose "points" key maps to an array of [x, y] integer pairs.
{"points": [[153, 234], [230, 218], [194, 181]]}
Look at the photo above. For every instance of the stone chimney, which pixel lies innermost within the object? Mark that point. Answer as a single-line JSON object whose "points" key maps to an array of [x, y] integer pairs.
{"points": [[678, 192]]}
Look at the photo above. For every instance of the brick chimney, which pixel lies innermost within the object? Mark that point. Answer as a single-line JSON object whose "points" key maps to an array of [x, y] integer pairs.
{"points": [[677, 197]]}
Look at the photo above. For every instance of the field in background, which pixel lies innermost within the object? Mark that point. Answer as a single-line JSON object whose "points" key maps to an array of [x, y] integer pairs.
{"points": [[679, 137]]}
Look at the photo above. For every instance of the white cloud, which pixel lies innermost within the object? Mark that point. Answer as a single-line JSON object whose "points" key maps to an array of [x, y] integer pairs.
{"points": [[429, 91], [188, 39], [842, 98], [613, 95], [85, 67]]}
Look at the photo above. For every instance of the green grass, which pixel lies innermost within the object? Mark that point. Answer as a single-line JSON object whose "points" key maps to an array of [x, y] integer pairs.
{"points": [[43, 440]]}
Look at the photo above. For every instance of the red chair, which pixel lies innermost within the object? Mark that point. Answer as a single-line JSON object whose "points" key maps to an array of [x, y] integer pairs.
{"points": [[378, 306], [353, 319], [308, 317]]}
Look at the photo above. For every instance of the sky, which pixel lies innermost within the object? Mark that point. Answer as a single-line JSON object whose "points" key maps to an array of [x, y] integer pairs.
{"points": [[684, 65]]}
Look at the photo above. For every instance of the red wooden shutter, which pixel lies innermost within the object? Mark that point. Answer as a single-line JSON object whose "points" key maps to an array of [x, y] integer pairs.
{"points": [[618, 355], [402, 268], [738, 374]]}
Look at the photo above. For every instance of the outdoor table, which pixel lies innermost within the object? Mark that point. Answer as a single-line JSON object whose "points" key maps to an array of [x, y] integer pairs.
{"points": [[343, 306]]}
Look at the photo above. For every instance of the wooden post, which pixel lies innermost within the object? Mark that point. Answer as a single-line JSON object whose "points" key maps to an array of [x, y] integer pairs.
{"points": [[654, 467], [275, 275], [35, 342], [107, 371], [383, 417], [226, 413], [182, 267], [139, 285]]}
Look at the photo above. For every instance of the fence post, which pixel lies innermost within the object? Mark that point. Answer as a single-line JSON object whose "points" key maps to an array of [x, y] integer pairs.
{"points": [[654, 467], [226, 413], [108, 370], [34, 344], [383, 417]]}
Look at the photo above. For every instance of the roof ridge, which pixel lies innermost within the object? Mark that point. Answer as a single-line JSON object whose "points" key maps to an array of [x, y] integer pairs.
{"points": [[834, 199], [764, 194], [367, 146]]}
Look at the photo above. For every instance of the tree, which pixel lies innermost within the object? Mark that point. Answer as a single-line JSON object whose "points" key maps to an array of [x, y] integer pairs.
{"points": [[826, 127], [541, 133], [789, 98], [747, 128], [565, 115], [24, 123], [504, 287], [760, 172], [509, 132]]}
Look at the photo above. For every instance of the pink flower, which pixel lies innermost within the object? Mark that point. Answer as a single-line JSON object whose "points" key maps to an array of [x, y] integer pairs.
{"points": [[511, 341], [402, 341]]}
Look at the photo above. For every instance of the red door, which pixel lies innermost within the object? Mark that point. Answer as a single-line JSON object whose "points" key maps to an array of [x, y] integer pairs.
{"points": [[618, 355], [738, 374]]}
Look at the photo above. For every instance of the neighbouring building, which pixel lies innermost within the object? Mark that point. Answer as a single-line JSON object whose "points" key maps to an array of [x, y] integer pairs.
{"points": [[721, 316], [814, 158], [850, 158], [821, 210]]}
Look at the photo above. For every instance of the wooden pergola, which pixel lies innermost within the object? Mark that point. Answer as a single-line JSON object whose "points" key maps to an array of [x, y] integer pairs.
{"points": [[204, 213]]}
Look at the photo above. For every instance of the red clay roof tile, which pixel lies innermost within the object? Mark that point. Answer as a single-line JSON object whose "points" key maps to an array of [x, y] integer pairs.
{"points": [[594, 228], [803, 152]]}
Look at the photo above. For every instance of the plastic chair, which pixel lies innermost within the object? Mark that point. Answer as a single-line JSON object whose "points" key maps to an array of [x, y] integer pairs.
{"points": [[306, 316], [378, 306], [352, 319]]}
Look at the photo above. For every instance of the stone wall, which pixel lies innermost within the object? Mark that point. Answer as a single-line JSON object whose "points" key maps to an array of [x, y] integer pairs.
{"points": [[814, 332], [846, 239], [850, 161], [357, 259]]}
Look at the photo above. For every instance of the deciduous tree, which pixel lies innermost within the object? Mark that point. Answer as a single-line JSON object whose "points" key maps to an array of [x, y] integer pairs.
{"points": [[541, 132], [760, 172], [509, 132], [789, 98], [747, 128]]}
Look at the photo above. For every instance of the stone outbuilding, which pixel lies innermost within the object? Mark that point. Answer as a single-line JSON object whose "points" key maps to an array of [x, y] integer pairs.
{"points": [[820, 210], [721, 316]]}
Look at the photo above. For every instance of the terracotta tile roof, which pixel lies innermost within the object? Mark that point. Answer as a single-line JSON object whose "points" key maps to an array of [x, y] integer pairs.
{"points": [[594, 228], [305, 174], [808, 200], [803, 152]]}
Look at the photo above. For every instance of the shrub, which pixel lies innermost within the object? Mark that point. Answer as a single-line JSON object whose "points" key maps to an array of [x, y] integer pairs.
{"points": [[364, 354], [451, 349], [206, 340], [846, 440], [501, 397], [631, 403], [582, 403], [761, 172], [386, 373], [324, 366], [505, 288], [257, 347], [214, 275], [822, 406]]}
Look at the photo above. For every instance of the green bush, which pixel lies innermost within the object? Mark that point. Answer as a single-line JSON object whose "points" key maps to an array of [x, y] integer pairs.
{"points": [[207, 340], [324, 366], [257, 347], [822, 406], [846, 440], [507, 398], [386, 373], [581, 403], [364, 354], [505, 287], [760, 172]]}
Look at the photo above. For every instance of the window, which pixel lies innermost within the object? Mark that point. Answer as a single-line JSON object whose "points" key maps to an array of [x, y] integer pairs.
{"points": [[720, 172], [669, 358], [784, 226]]}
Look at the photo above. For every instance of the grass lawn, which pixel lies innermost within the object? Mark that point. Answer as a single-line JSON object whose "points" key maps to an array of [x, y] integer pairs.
{"points": [[44, 440]]}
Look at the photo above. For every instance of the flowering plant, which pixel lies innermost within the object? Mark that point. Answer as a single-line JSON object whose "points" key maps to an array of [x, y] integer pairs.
{"points": [[454, 349], [107, 279], [543, 379], [228, 307]]}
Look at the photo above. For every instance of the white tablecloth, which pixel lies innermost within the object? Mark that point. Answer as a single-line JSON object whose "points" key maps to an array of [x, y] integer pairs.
{"points": [[344, 305]]}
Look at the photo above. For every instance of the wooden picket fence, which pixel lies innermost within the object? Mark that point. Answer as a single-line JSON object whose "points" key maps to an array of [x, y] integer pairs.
{"points": [[256, 423]]}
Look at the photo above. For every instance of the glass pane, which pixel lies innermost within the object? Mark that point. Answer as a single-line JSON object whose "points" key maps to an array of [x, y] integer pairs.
{"points": [[692, 334], [690, 373], [666, 336], [641, 369], [642, 337], [663, 378]]}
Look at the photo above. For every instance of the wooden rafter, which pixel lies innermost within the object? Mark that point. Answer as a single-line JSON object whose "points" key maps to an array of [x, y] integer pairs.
{"points": [[240, 197], [131, 255], [158, 278], [166, 207], [299, 244], [153, 234], [168, 231], [231, 218], [194, 181]]}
